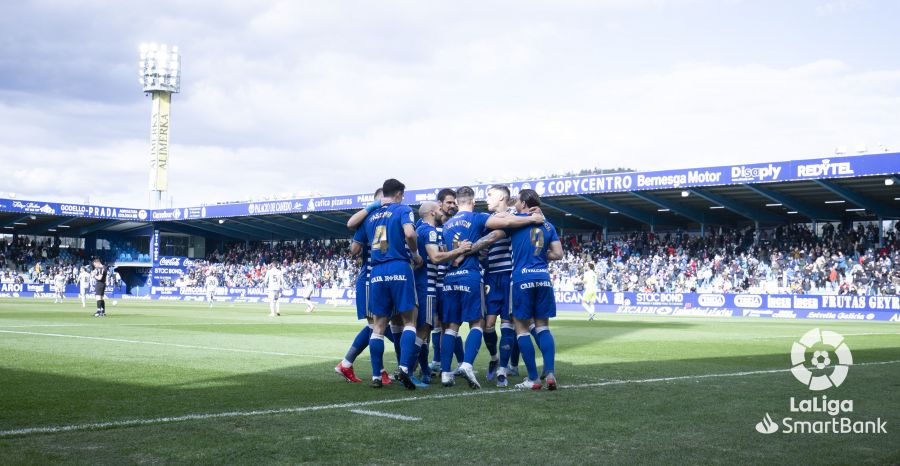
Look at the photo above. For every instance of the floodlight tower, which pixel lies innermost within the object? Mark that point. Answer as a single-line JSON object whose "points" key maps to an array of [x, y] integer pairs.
{"points": [[160, 71]]}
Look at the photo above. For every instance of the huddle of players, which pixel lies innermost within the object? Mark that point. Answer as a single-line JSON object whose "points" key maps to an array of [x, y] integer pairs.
{"points": [[427, 277], [98, 275]]}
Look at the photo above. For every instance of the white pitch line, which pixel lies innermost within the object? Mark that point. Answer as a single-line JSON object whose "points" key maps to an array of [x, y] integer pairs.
{"points": [[203, 324], [270, 322], [362, 404], [591, 379], [399, 417], [44, 325], [175, 345], [843, 334]]}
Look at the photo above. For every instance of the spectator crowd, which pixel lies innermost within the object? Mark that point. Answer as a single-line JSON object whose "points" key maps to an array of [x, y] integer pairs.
{"points": [[317, 263], [27, 260], [787, 259]]}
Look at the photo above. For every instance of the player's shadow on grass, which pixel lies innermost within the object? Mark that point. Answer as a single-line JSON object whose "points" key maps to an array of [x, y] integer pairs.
{"points": [[33, 398], [691, 421]]}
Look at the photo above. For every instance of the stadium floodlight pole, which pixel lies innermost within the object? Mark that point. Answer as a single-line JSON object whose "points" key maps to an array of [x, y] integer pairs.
{"points": [[160, 71]]}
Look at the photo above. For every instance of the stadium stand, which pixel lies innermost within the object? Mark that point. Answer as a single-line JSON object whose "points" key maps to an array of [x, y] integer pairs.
{"points": [[706, 236], [786, 260], [789, 259], [320, 263]]}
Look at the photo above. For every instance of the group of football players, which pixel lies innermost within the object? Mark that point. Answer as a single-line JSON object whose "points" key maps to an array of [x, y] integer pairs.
{"points": [[452, 266]]}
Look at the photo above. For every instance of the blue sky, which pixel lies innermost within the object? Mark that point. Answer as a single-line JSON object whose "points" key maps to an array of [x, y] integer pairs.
{"points": [[333, 97]]}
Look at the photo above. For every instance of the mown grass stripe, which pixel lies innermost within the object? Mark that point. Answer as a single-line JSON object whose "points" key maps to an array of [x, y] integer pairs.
{"points": [[362, 404]]}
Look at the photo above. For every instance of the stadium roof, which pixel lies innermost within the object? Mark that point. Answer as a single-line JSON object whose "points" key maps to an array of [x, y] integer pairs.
{"points": [[849, 188]]}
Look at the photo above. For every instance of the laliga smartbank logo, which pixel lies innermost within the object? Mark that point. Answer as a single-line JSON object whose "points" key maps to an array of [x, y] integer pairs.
{"points": [[815, 340], [820, 360], [767, 425]]}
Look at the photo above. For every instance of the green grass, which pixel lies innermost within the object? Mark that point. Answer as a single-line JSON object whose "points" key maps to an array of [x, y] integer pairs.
{"points": [[149, 360]]}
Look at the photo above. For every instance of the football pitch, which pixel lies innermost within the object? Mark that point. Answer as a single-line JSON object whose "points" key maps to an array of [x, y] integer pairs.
{"points": [[158, 382]]}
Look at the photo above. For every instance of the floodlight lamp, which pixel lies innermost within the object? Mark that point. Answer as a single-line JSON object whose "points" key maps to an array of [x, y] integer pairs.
{"points": [[159, 67], [888, 181]]}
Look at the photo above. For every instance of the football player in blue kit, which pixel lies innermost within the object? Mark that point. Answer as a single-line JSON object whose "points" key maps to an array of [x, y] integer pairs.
{"points": [[498, 267], [448, 208], [531, 296], [463, 286], [390, 232], [426, 278], [361, 341]]}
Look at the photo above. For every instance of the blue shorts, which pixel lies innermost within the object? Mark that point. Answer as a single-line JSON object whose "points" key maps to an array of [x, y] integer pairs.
{"points": [[392, 289], [496, 289], [532, 300], [362, 300], [438, 300], [427, 308], [463, 302]]}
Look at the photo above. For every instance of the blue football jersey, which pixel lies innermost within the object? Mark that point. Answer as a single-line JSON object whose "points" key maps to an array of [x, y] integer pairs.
{"points": [[529, 251], [366, 264], [499, 257], [384, 230], [464, 226], [426, 276], [441, 268]]}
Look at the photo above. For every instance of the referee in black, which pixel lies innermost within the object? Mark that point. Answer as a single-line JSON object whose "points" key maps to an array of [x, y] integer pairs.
{"points": [[99, 275]]}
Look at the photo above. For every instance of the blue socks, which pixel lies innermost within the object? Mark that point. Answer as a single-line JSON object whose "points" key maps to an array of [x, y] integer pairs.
{"points": [[359, 344], [423, 357], [547, 346], [458, 349], [436, 344], [490, 340], [413, 358], [376, 349], [527, 350], [448, 343], [398, 334], [514, 354], [473, 343], [408, 353], [507, 341]]}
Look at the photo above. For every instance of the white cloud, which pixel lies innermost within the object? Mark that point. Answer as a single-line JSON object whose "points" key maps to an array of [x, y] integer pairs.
{"points": [[834, 7], [333, 97]]}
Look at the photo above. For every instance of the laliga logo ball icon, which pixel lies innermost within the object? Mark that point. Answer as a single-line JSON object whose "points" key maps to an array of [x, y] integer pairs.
{"points": [[820, 360]]}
